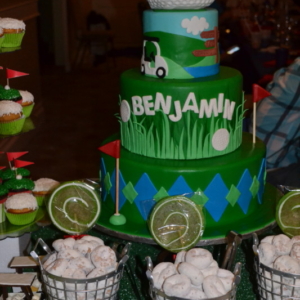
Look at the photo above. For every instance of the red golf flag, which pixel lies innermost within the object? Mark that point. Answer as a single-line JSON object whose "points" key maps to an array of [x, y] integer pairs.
{"points": [[259, 93], [112, 149], [12, 73], [14, 155], [1, 168], [21, 163]]}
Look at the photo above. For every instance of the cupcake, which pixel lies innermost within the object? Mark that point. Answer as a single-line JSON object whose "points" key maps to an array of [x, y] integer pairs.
{"points": [[43, 188], [13, 30], [3, 193], [11, 118], [27, 103], [13, 173], [6, 93], [1, 36], [21, 209], [3, 197], [19, 185]]}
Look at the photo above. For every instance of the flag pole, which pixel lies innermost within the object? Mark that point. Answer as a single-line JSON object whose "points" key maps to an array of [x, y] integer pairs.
{"points": [[117, 185], [113, 149], [254, 123]]}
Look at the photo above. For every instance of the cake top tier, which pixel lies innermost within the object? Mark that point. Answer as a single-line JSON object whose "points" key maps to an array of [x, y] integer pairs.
{"points": [[179, 4], [180, 44]]}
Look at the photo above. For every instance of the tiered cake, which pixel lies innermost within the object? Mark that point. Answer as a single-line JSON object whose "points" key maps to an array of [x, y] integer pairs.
{"points": [[181, 119]]}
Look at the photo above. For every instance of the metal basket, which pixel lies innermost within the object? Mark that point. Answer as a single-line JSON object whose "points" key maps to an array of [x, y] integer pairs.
{"points": [[273, 284], [103, 287], [233, 241]]}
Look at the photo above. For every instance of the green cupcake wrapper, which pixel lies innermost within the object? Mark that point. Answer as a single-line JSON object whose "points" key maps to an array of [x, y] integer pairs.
{"points": [[28, 125], [21, 219], [27, 110], [13, 39], [40, 200], [2, 213], [13, 127], [1, 41]]}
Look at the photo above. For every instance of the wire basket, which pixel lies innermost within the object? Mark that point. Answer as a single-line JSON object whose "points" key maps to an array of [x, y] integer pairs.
{"points": [[273, 284], [233, 241], [103, 287]]}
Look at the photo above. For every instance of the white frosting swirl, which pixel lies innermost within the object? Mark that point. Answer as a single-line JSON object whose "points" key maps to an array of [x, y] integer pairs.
{"points": [[26, 96], [10, 23], [9, 107], [45, 184], [20, 201]]}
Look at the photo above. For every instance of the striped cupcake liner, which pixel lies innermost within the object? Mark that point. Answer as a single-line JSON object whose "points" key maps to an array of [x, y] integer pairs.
{"points": [[13, 39]]}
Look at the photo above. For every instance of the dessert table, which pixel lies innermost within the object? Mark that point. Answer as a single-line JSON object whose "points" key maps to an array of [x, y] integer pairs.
{"points": [[134, 284]]}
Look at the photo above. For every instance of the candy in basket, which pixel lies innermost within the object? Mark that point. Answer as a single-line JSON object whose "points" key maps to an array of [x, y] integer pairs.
{"points": [[277, 271], [81, 277], [195, 275]]}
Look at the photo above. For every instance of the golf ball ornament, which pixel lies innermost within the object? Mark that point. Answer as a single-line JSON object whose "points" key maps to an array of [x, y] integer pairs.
{"points": [[179, 4]]}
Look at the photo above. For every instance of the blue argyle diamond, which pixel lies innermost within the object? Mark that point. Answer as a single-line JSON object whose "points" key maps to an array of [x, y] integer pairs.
{"points": [[179, 187], [122, 198], [145, 198], [216, 192], [104, 192], [246, 196], [261, 179]]}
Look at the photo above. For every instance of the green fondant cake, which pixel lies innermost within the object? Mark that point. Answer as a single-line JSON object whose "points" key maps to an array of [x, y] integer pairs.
{"points": [[229, 187], [181, 120]]}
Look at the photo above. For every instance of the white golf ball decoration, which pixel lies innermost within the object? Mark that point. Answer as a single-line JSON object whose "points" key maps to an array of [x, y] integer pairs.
{"points": [[125, 111], [220, 139]]}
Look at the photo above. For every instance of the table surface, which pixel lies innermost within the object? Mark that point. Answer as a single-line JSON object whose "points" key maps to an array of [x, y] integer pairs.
{"points": [[134, 284]]}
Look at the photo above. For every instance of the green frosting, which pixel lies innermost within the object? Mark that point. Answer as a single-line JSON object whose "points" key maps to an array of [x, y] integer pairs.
{"points": [[17, 184], [9, 173], [10, 94], [3, 190]]}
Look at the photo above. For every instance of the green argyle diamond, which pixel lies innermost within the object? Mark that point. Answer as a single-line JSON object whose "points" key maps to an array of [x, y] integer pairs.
{"points": [[162, 193], [107, 182], [129, 192], [199, 197], [233, 195], [254, 188]]}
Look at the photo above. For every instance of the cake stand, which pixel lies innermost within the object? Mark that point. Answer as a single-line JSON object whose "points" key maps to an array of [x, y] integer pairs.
{"points": [[262, 221]]}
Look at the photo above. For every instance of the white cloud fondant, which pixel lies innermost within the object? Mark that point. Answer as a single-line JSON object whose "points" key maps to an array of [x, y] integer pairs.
{"points": [[125, 111], [220, 139], [195, 25]]}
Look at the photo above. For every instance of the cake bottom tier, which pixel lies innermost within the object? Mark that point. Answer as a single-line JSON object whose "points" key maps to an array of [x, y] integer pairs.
{"points": [[230, 188]]}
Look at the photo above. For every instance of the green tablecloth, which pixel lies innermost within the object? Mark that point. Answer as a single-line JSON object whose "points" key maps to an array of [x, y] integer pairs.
{"points": [[135, 285]]}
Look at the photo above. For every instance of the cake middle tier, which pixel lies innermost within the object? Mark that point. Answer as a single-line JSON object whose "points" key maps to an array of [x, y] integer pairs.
{"points": [[181, 119]]}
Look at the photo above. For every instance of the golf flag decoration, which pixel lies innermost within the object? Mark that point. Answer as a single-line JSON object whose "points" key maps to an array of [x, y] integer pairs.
{"points": [[21, 163], [113, 149], [258, 93], [14, 155]]}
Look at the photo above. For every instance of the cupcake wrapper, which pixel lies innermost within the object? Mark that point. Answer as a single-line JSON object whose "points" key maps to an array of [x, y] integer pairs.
{"points": [[1, 41], [13, 127], [2, 213], [13, 39], [28, 125], [40, 200], [21, 219], [27, 110]]}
